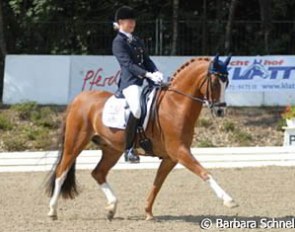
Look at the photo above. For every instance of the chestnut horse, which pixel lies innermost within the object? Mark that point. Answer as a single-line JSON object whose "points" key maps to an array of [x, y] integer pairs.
{"points": [[171, 131]]}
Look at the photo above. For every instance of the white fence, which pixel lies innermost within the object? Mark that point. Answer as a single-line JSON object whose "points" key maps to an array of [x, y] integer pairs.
{"points": [[254, 81], [209, 157]]}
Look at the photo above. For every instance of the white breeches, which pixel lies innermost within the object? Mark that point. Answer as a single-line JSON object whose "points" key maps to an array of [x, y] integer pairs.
{"points": [[132, 95]]}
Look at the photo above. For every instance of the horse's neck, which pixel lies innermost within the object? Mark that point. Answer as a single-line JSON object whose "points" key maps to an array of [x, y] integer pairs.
{"points": [[188, 83]]}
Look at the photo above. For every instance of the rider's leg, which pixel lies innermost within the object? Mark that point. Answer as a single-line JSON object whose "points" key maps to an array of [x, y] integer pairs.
{"points": [[132, 96], [130, 134]]}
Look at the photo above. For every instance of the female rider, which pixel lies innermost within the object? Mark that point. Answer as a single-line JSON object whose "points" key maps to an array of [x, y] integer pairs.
{"points": [[136, 65]]}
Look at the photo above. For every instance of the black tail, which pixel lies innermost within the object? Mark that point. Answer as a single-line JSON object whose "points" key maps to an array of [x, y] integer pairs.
{"points": [[69, 188]]}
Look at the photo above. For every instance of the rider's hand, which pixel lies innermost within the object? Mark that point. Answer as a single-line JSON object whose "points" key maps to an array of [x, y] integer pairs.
{"points": [[156, 77], [161, 75]]}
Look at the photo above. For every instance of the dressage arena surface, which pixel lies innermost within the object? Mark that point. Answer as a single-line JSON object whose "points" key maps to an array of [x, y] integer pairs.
{"points": [[184, 200]]}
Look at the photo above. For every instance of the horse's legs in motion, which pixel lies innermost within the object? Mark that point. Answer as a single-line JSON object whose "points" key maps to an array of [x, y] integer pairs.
{"points": [[109, 158], [187, 159], [75, 141], [164, 169]]}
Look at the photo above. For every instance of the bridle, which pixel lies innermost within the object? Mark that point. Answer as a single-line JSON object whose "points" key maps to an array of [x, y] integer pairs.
{"points": [[206, 100]]}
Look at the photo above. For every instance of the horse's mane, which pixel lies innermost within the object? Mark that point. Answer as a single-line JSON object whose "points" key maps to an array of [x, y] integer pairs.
{"points": [[187, 64]]}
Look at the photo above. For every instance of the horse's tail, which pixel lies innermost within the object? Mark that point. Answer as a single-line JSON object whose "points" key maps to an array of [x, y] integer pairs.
{"points": [[69, 188]]}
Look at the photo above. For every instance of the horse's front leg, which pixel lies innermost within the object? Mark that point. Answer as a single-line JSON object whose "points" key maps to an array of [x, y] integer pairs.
{"points": [[184, 156], [164, 169]]}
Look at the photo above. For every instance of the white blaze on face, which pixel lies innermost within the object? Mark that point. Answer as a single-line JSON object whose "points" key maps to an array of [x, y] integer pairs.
{"points": [[222, 91]]}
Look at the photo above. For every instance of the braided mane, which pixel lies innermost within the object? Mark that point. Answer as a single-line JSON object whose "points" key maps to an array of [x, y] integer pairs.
{"points": [[187, 64]]}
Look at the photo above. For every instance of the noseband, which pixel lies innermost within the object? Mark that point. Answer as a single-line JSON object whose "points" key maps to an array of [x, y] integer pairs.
{"points": [[206, 100]]}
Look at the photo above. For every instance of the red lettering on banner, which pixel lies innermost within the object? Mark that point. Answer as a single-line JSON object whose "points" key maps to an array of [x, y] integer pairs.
{"points": [[273, 62], [95, 78], [239, 63], [265, 62]]}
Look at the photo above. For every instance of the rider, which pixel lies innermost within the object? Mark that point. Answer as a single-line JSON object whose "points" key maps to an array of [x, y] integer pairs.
{"points": [[136, 65]]}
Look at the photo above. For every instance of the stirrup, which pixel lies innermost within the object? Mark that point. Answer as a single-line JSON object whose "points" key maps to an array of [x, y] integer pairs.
{"points": [[131, 157]]}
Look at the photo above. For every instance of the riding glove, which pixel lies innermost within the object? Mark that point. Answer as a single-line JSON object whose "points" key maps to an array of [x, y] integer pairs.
{"points": [[156, 77]]}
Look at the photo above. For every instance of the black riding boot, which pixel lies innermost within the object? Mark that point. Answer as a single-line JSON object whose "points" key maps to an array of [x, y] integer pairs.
{"points": [[130, 134]]}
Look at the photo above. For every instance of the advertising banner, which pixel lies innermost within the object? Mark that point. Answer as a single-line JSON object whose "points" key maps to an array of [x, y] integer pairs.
{"points": [[103, 72], [254, 80], [262, 74]]}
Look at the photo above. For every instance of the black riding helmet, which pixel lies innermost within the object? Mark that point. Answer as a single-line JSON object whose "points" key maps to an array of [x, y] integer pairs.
{"points": [[124, 12]]}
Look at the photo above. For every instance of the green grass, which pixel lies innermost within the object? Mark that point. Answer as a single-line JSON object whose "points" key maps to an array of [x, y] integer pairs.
{"points": [[205, 143], [243, 137], [25, 110], [5, 123], [36, 127], [45, 117], [204, 122], [14, 143], [280, 124], [29, 126], [33, 133], [41, 116], [228, 126]]}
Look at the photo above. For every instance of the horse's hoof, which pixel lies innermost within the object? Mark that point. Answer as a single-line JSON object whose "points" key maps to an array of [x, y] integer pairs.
{"points": [[111, 208], [52, 214], [110, 215], [230, 204], [53, 217], [149, 217]]}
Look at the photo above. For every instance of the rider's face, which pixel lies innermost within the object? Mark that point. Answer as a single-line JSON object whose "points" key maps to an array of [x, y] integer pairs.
{"points": [[127, 25]]}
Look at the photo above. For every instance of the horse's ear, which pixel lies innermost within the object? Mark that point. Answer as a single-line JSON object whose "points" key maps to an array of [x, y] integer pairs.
{"points": [[215, 61], [228, 60]]}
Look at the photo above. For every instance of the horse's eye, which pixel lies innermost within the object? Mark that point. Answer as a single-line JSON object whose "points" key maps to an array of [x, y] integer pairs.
{"points": [[223, 77]]}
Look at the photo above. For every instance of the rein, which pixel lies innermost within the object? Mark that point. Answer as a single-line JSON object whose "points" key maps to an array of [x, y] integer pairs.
{"points": [[206, 100], [201, 100]]}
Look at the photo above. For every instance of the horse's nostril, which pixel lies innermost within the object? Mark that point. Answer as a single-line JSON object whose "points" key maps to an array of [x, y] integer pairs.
{"points": [[220, 113]]}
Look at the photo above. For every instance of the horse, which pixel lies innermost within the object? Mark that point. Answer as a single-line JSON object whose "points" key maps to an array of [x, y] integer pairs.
{"points": [[171, 130]]}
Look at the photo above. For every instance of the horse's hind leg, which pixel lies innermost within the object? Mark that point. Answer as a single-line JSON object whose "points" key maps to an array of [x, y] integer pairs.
{"points": [[165, 167], [109, 158], [63, 178]]}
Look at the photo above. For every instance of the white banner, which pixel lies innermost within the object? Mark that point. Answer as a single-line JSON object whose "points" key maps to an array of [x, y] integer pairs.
{"points": [[103, 72], [262, 74], [93, 73], [39, 78], [254, 81]]}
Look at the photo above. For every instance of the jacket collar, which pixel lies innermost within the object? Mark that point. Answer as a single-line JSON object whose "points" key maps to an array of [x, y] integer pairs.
{"points": [[128, 35], [125, 37]]}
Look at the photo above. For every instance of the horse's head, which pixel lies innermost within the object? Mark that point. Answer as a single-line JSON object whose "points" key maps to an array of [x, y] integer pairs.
{"points": [[214, 85]]}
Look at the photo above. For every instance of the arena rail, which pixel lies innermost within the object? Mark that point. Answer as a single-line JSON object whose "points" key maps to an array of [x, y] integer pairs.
{"points": [[225, 157]]}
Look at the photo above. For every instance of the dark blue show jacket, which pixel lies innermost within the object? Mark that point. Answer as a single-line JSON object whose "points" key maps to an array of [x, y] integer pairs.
{"points": [[133, 59]]}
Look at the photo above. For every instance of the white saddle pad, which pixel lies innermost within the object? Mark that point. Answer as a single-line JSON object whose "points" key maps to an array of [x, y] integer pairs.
{"points": [[116, 112]]}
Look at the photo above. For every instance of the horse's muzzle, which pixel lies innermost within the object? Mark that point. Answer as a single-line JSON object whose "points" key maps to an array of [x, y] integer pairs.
{"points": [[219, 109]]}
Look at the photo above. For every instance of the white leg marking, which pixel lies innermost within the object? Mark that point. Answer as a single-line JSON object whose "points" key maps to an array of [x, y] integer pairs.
{"points": [[108, 192], [54, 199], [112, 200], [219, 191]]}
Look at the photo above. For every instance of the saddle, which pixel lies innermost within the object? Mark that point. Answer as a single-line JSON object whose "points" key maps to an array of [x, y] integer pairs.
{"points": [[116, 113]]}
